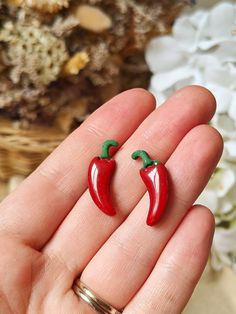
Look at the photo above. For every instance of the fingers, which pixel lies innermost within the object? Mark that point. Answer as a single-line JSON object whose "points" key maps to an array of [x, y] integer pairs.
{"points": [[18, 266], [36, 209], [85, 229], [129, 255], [173, 279]]}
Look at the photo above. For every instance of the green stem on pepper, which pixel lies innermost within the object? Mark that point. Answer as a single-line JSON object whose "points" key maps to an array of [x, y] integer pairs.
{"points": [[147, 161], [105, 148]]}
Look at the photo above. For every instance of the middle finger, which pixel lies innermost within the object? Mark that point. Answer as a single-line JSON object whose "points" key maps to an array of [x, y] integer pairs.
{"points": [[85, 229]]}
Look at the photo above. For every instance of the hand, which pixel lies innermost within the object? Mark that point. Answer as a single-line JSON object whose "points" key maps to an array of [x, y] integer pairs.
{"points": [[51, 232]]}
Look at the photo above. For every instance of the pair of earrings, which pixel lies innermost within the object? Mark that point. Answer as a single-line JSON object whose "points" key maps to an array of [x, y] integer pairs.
{"points": [[154, 175]]}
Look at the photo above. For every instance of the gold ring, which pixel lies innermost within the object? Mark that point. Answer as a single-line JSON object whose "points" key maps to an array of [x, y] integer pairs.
{"points": [[97, 303]]}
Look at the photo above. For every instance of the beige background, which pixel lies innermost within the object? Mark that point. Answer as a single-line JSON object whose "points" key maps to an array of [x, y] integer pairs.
{"points": [[215, 294]]}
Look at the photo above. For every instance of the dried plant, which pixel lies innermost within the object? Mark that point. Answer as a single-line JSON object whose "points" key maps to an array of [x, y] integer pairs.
{"points": [[54, 52], [32, 50]]}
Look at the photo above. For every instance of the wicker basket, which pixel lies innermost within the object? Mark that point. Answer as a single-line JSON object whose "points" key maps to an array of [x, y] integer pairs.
{"points": [[21, 151]]}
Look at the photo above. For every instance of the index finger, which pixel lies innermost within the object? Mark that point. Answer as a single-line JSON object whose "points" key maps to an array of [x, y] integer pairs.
{"points": [[34, 211]]}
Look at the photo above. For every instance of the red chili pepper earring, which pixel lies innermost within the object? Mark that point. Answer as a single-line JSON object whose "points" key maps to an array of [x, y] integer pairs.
{"points": [[155, 176], [100, 172]]}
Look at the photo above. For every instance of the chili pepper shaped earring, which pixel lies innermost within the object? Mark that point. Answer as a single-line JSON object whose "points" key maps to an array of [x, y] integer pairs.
{"points": [[100, 172], [155, 176]]}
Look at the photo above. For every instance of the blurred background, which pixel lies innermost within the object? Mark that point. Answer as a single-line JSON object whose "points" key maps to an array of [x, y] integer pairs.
{"points": [[61, 59]]}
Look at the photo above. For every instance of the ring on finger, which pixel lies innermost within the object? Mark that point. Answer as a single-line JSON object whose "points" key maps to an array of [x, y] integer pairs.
{"points": [[94, 301]]}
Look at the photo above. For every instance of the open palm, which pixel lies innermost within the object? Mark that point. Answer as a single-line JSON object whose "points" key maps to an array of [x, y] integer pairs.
{"points": [[52, 233]]}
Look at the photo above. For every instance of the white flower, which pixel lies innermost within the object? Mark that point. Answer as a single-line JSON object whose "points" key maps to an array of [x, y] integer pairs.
{"points": [[220, 192], [224, 248], [230, 150], [224, 240], [209, 199], [218, 25], [202, 50], [222, 181]]}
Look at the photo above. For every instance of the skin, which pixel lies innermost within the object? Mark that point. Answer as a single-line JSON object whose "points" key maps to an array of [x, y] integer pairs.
{"points": [[51, 232]]}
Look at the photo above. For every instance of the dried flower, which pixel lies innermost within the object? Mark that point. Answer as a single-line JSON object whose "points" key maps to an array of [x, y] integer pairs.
{"points": [[9, 97], [92, 18], [50, 6], [76, 63], [102, 68], [63, 26], [32, 50]]}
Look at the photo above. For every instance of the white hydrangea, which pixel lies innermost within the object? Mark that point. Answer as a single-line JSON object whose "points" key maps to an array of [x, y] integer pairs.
{"points": [[202, 50]]}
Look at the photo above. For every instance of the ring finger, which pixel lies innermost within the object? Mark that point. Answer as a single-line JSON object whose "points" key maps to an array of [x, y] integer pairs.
{"points": [[174, 277]]}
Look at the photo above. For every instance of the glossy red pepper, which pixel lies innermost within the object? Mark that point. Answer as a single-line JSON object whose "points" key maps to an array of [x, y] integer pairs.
{"points": [[155, 177], [100, 172]]}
